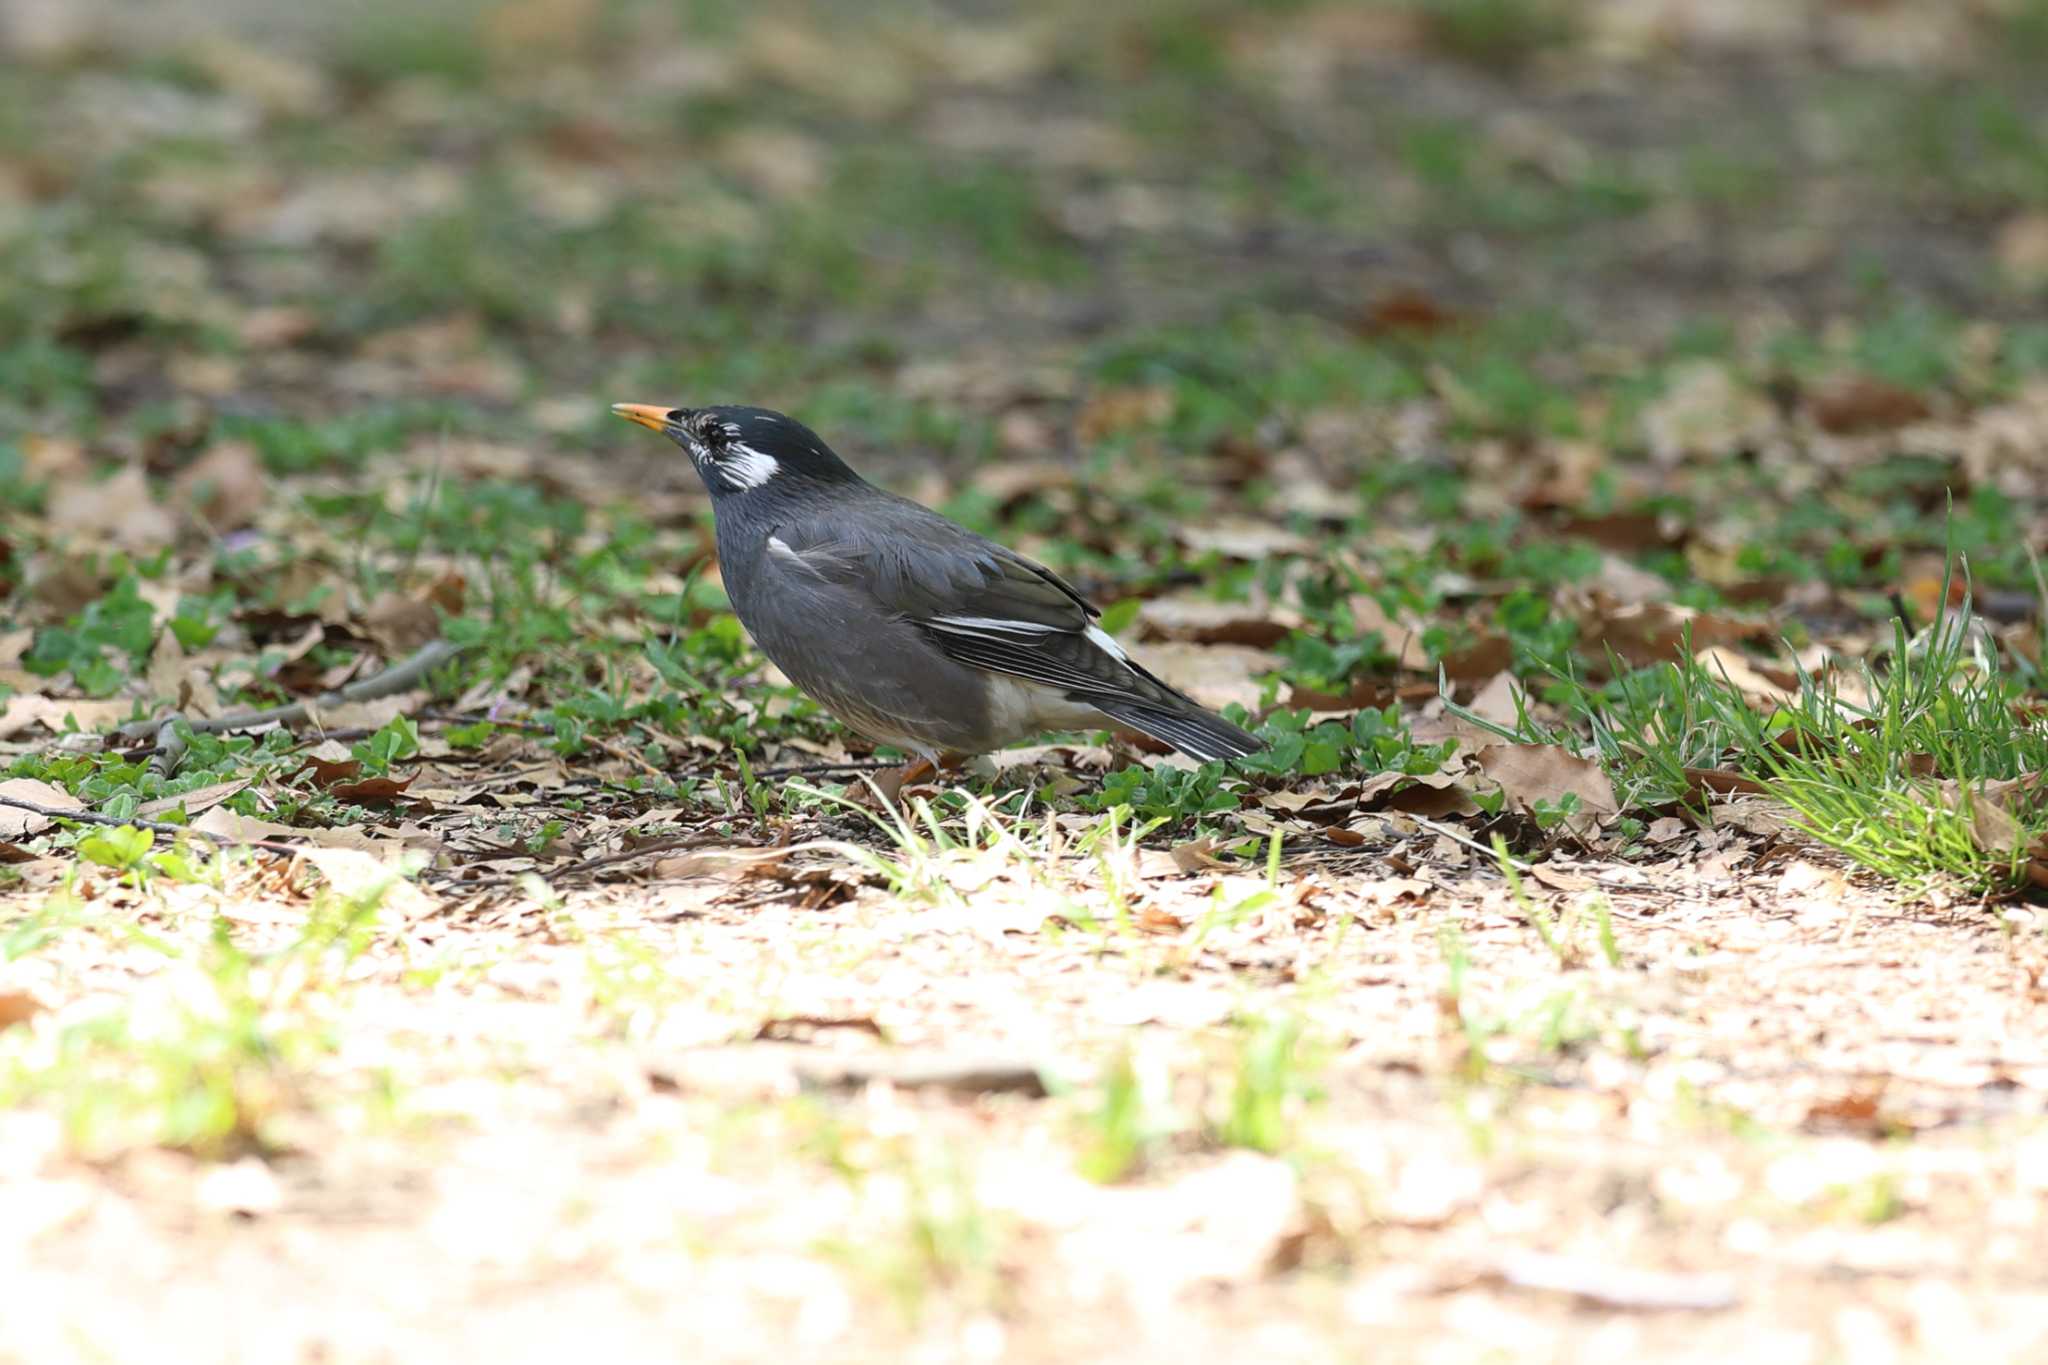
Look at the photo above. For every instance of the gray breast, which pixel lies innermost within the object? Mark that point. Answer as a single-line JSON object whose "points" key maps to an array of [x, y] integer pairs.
{"points": [[874, 671]]}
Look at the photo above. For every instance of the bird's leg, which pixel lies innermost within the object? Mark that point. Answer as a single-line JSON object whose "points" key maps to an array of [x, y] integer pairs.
{"points": [[892, 782]]}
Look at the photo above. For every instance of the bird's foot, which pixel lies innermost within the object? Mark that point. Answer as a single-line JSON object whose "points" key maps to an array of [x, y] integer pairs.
{"points": [[892, 782]]}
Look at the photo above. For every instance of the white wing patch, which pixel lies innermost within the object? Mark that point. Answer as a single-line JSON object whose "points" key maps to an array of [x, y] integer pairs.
{"points": [[742, 466], [969, 625], [780, 548], [1106, 642]]}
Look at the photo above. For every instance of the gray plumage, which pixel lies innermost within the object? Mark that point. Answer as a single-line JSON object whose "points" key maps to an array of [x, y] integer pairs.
{"points": [[909, 627]]}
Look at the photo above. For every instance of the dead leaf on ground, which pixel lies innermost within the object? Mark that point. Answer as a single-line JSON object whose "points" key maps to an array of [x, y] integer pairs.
{"points": [[1559, 879], [1627, 532], [326, 770], [1859, 1111], [1363, 693], [722, 862], [1756, 687], [1214, 675], [1654, 632], [1204, 620], [1430, 795], [118, 511], [1485, 657], [401, 622], [18, 713], [237, 828], [193, 802], [1852, 405], [1111, 412], [1501, 701], [1705, 413], [2022, 249], [18, 1007], [16, 823], [1406, 309], [1530, 773], [1723, 782], [1622, 1287], [371, 789], [224, 488], [1243, 538], [175, 678]]}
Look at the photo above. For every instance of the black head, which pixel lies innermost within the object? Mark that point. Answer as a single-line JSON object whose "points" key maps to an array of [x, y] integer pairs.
{"points": [[741, 450]]}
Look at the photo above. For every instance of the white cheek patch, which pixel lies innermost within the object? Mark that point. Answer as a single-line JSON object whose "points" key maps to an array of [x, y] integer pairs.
{"points": [[742, 466]]}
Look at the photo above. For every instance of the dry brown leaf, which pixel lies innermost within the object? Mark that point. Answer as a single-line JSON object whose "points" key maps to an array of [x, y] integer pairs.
{"points": [[2022, 249], [194, 801], [1652, 632], [224, 488], [1156, 920], [174, 677], [1664, 829], [723, 862], [18, 1007], [55, 459], [360, 871], [1430, 795], [1363, 692], [400, 623], [366, 715], [1497, 701], [119, 511], [1852, 405], [1705, 413], [1618, 1287], [1112, 412], [1625, 532], [279, 84], [1242, 538], [1529, 773], [371, 789], [1859, 1111], [779, 162], [1214, 675], [1558, 879], [18, 713], [1204, 620], [1406, 309], [1197, 855], [1626, 584], [268, 328], [520, 31], [16, 823], [326, 770], [226, 824], [1722, 782], [1485, 657]]}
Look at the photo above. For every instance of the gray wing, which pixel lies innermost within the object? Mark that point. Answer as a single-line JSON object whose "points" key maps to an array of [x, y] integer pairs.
{"points": [[980, 603]]}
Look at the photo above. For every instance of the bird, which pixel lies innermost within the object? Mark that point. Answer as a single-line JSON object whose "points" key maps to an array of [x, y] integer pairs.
{"points": [[908, 627]]}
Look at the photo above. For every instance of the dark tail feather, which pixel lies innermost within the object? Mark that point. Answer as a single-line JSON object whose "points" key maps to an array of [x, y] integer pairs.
{"points": [[1189, 728]]}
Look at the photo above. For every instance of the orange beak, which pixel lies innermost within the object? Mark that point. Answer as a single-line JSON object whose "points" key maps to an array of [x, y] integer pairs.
{"points": [[646, 414]]}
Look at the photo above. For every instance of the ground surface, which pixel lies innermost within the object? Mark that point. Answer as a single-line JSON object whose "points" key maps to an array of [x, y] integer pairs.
{"points": [[1424, 379]]}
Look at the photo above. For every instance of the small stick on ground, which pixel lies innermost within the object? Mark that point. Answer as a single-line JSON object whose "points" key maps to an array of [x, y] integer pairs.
{"points": [[93, 817], [856, 765], [169, 745]]}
